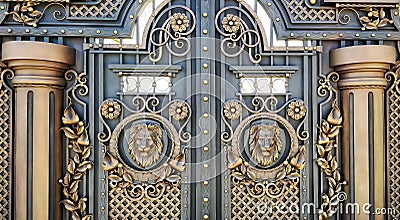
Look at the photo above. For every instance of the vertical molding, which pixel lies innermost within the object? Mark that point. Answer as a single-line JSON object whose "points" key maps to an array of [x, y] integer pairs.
{"points": [[39, 87], [52, 131], [362, 72], [29, 155]]}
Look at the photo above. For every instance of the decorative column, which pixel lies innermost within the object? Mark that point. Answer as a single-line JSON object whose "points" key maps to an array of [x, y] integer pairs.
{"points": [[39, 89], [362, 83]]}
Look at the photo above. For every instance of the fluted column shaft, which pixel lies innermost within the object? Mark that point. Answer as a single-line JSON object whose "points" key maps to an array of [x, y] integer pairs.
{"points": [[39, 89], [362, 84]]}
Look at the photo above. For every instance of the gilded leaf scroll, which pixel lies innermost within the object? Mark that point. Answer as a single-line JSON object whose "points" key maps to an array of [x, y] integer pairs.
{"points": [[78, 141], [371, 18], [328, 163], [327, 146], [28, 14]]}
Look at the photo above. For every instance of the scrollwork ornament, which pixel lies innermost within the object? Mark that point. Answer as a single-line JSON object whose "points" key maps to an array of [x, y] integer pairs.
{"points": [[120, 177], [393, 76], [371, 18], [78, 141], [273, 188], [27, 14], [237, 34], [328, 163], [173, 33]]}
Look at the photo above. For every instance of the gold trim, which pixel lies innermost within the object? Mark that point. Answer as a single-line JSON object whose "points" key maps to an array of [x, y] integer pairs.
{"points": [[328, 163], [78, 141]]}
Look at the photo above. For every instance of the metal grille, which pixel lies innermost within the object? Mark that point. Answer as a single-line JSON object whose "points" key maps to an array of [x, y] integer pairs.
{"points": [[394, 148], [5, 150], [107, 8], [299, 11], [246, 207], [167, 207]]}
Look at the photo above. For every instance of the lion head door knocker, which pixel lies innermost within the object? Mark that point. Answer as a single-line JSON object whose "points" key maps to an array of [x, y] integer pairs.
{"points": [[265, 143], [145, 144]]}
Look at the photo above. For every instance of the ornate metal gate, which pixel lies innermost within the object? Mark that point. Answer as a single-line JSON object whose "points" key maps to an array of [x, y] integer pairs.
{"points": [[198, 109]]}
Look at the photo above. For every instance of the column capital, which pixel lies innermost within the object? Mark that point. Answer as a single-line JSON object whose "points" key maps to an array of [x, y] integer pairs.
{"points": [[38, 63], [363, 67]]}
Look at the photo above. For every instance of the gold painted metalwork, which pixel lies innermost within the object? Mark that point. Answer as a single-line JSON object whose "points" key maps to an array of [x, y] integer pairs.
{"points": [[328, 162], [231, 23], [179, 22], [244, 205], [145, 143], [265, 143], [232, 110], [173, 34], [372, 18], [393, 137], [5, 142], [27, 14], [124, 207], [146, 147], [237, 35], [297, 110], [302, 12], [78, 140], [106, 8], [178, 110], [110, 109], [270, 176]]}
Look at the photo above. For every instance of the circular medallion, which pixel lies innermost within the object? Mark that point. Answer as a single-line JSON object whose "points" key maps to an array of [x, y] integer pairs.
{"points": [[144, 143], [265, 141]]}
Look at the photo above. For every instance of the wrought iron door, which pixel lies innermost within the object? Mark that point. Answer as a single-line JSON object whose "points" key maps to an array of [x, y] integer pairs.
{"points": [[193, 109], [223, 108]]}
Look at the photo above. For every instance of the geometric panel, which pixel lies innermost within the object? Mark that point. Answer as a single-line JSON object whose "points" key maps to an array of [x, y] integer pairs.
{"points": [[167, 206], [5, 153], [393, 97], [247, 207]]}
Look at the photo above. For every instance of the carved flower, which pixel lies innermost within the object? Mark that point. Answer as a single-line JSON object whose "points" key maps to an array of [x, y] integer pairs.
{"points": [[231, 23], [110, 109], [178, 110], [232, 110], [297, 110], [179, 22]]}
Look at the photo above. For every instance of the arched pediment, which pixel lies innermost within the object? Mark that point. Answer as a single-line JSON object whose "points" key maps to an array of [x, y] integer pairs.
{"points": [[292, 19]]}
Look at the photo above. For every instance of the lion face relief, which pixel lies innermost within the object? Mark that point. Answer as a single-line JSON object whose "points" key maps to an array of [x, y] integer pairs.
{"points": [[265, 143], [145, 143]]}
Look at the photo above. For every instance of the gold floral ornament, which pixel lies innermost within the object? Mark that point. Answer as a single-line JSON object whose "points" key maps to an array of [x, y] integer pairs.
{"points": [[26, 13], [232, 110], [79, 163], [178, 110], [179, 22], [110, 109], [296, 110], [231, 23], [374, 19], [329, 163]]}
